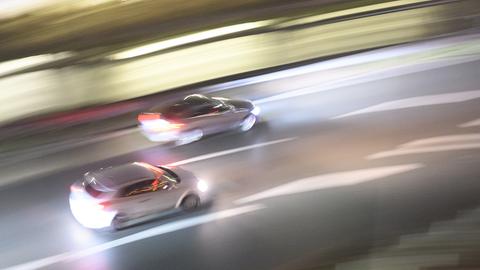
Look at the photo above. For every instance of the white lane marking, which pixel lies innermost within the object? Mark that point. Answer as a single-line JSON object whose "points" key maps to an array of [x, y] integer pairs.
{"points": [[443, 139], [473, 123], [417, 102], [228, 152], [294, 93], [420, 150], [159, 230], [332, 180], [433, 144]]}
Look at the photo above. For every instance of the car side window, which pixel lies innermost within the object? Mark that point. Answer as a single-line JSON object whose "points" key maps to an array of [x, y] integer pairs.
{"points": [[221, 108], [201, 110], [210, 108], [145, 187], [138, 188]]}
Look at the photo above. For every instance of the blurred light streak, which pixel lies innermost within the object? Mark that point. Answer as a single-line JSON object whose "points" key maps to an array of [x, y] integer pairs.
{"points": [[351, 11], [13, 8], [187, 39], [341, 62], [32, 61]]}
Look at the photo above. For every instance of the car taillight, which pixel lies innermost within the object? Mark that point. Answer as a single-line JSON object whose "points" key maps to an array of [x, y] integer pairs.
{"points": [[148, 116], [159, 124], [102, 205]]}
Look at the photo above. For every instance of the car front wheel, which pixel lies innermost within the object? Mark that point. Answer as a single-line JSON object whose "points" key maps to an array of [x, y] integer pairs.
{"points": [[190, 203], [248, 122]]}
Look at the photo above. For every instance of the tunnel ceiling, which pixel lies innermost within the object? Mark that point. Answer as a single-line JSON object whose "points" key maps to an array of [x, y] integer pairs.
{"points": [[50, 26]]}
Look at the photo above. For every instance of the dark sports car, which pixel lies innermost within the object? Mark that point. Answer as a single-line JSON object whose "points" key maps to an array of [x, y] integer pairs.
{"points": [[195, 116]]}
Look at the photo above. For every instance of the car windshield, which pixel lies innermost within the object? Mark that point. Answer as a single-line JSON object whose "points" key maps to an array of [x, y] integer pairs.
{"points": [[93, 187], [161, 172], [169, 174], [187, 107], [92, 191]]}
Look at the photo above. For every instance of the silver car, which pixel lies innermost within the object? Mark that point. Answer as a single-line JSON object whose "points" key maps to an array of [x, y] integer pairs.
{"points": [[195, 116], [117, 197]]}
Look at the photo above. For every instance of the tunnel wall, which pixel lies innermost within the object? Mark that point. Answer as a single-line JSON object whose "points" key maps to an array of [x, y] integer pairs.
{"points": [[85, 85]]}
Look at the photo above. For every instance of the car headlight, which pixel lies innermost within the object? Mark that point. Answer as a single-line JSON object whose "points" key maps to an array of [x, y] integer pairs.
{"points": [[202, 186], [256, 110]]}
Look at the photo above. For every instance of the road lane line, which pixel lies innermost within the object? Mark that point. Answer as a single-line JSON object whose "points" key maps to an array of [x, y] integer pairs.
{"points": [[462, 138], [473, 123], [152, 232], [228, 152], [421, 150], [417, 102], [331, 180], [433, 144]]}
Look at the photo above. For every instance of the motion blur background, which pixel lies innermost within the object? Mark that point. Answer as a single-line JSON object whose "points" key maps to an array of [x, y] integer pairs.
{"points": [[74, 75], [62, 55]]}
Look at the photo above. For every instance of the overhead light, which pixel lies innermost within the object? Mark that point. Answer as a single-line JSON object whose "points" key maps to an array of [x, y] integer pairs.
{"points": [[187, 39], [350, 11], [29, 62]]}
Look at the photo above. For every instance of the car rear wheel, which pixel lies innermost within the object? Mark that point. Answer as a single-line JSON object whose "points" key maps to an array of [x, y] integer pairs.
{"points": [[248, 122], [190, 136], [190, 203]]}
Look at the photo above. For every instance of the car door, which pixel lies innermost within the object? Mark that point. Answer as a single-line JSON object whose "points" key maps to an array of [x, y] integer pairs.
{"points": [[219, 117], [166, 195], [136, 200], [201, 117], [223, 117]]}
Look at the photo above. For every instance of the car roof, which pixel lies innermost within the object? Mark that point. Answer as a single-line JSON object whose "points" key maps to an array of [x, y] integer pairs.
{"points": [[113, 178], [184, 104], [196, 99]]}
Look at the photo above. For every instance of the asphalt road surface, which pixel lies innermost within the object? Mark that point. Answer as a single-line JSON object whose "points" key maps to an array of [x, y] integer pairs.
{"points": [[325, 176]]}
